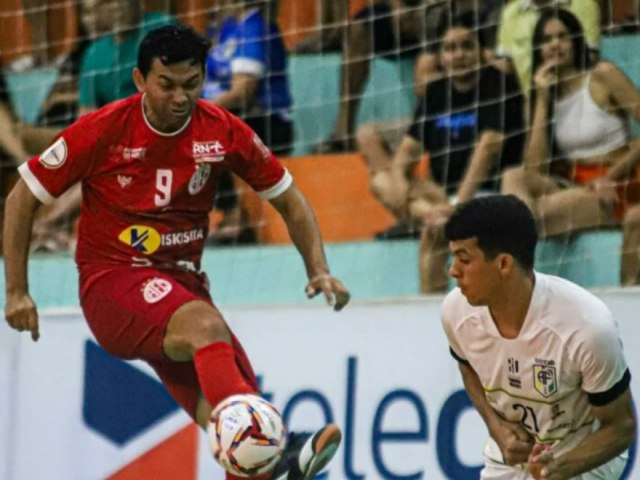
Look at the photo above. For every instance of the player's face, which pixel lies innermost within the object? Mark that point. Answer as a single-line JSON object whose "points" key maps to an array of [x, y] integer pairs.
{"points": [[557, 46], [459, 52], [476, 275], [171, 92]]}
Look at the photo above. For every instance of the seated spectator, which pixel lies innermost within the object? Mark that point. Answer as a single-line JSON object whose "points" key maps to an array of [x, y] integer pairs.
{"points": [[471, 125], [247, 74], [105, 76], [395, 29], [391, 28], [376, 140], [517, 23], [580, 164], [105, 72]]}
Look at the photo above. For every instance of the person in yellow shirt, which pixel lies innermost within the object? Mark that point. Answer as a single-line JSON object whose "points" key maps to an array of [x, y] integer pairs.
{"points": [[518, 21]]}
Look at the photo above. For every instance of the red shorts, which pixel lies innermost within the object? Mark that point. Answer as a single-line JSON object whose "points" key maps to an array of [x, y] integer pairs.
{"points": [[128, 311]]}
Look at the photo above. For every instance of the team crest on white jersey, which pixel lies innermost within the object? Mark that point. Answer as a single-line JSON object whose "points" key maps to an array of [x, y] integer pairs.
{"points": [[208, 152], [156, 289], [199, 178], [124, 180], [545, 380], [55, 155]]}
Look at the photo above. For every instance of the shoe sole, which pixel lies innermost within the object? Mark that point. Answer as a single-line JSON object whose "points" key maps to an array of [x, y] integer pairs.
{"points": [[325, 446]]}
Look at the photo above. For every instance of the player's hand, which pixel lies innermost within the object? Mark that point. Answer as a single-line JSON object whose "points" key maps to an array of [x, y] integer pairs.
{"points": [[514, 441], [541, 463], [21, 314], [334, 291]]}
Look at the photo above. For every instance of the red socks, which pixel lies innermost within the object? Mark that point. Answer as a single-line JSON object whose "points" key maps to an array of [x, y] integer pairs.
{"points": [[219, 374]]}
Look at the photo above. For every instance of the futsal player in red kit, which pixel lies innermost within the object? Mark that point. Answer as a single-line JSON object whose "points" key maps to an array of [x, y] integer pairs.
{"points": [[148, 166]]}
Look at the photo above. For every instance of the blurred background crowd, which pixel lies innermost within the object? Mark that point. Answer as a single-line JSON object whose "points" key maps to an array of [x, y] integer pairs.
{"points": [[387, 112]]}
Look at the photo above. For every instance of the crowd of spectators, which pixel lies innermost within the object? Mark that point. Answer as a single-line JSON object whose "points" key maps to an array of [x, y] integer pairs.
{"points": [[511, 96]]}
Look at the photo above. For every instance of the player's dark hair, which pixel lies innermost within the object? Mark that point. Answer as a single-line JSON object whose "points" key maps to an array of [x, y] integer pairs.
{"points": [[172, 44], [500, 223]]}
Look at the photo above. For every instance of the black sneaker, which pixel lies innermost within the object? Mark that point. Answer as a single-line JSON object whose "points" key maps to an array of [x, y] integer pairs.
{"points": [[306, 454]]}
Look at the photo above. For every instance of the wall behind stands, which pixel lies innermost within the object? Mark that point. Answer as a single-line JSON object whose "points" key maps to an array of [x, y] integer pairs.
{"points": [[381, 370]]}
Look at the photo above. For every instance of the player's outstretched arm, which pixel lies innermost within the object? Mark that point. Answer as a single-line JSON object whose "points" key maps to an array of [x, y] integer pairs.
{"points": [[20, 310], [305, 234], [514, 441], [615, 435]]}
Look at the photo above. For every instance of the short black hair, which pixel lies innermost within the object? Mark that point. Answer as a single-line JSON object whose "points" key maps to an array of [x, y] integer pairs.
{"points": [[467, 20], [501, 224], [172, 44]]}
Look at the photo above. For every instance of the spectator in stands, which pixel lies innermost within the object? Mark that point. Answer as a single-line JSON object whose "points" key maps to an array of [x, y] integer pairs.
{"points": [[105, 73], [377, 140], [391, 28], [394, 29], [105, 76], [247, 74], [581, 163], [37, 33], [517, 23], [471, 124]]}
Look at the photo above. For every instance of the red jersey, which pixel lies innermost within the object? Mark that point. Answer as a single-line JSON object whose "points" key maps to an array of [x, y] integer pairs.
{"points": [[147, 195]]}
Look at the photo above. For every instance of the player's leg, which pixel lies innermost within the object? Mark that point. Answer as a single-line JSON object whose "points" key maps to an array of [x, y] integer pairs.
{"points": [[149, 314], [197, 331]]}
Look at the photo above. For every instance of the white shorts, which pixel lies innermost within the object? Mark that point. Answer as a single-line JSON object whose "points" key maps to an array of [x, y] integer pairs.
{"points": [[609, 471]]}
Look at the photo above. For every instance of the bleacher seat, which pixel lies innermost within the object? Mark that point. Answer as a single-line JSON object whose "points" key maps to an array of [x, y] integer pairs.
{"points": [[590, 259], [623, 51], [29, 90], [337, 186], [315, 87]]}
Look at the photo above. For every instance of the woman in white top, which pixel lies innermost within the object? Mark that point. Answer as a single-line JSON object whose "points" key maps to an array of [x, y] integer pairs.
{"points": [[580, 162]]}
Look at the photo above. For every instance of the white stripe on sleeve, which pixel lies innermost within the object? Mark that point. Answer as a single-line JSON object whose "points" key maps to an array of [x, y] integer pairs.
{"points": [[34, 184]]}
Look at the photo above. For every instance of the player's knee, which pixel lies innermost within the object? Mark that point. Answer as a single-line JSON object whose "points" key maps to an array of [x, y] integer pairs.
{"points": [[192, 327]]}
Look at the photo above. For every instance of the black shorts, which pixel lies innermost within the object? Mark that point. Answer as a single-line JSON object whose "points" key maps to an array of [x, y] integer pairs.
{"points": [[377, 19]]}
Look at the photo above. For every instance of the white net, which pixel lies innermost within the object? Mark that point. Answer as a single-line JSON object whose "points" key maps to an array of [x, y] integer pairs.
{"points": [[43, 43]]}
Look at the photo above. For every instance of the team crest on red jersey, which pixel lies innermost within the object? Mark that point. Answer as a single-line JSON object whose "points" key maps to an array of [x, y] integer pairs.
{"points": [[208, 152], [199, 178], [55, 155], [156, 289]]}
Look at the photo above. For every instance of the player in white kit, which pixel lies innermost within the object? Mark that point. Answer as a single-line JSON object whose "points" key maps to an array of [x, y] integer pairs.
{"points": [[540, 357]]}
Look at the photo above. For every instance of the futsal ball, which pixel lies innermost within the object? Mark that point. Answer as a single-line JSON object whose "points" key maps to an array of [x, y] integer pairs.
{"points": [[246, 435]]}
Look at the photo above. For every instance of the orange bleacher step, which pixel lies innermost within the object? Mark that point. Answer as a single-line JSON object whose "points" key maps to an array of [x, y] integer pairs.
{"points": [[337, 186]]}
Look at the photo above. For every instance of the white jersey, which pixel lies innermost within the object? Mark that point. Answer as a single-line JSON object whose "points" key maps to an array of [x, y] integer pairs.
{"points": [[567, 356]]}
